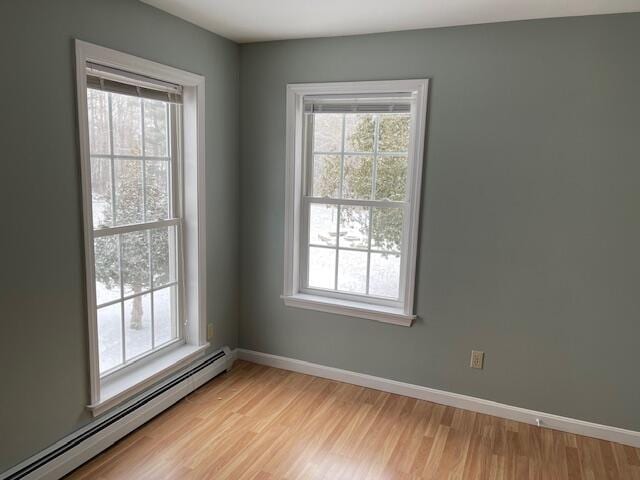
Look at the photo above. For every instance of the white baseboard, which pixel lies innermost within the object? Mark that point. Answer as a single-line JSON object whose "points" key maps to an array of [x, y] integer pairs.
{"points": [[556, 422], [87, 449]]}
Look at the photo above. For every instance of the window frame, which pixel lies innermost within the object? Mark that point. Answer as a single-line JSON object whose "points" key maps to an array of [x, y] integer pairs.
{"points": [[117, 385], [295, 292], [175, 220]]}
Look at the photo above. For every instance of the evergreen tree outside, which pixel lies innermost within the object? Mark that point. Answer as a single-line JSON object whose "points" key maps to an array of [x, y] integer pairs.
{"points": [[391, 172], [140, 193], [371, 143]]}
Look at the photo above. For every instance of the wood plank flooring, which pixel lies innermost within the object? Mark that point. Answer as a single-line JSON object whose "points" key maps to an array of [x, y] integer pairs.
{"points": [[263, 423]]}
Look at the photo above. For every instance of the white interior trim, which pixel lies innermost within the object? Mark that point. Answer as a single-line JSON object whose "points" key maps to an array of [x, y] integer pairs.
{"points": [[117, 388], [556, 422], [293, 290], [380, 313], [194, 201]]}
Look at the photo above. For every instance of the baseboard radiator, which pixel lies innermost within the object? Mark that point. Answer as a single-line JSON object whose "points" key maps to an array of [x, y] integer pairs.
{"points": [[77, 448]]}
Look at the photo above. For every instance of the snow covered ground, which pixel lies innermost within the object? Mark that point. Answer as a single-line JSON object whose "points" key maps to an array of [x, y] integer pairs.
{"points": [[384, 276], [137, 341]]}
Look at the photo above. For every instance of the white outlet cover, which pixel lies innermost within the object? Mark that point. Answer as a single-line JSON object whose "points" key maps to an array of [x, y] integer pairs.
{"points": [[477, 359]]}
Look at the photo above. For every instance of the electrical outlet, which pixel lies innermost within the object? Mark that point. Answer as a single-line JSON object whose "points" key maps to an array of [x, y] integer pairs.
{"points": [[209, 331], [477, 359]]}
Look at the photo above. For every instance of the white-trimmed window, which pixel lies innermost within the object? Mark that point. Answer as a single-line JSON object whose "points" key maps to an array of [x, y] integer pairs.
{"points": [[142, 152], [354, 168]]}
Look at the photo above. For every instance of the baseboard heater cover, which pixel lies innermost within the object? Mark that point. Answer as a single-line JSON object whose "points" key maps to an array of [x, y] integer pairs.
{"points": [[75, 449]]}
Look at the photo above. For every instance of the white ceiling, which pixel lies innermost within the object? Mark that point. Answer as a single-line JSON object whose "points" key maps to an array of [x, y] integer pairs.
{"points": [[258, 20]]}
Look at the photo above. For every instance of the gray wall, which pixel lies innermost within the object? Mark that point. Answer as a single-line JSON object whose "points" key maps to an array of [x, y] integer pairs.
{"points": [[43, 347], [530, 222]]}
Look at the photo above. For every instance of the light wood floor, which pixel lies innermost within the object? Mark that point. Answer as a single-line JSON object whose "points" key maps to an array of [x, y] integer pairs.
{"points": [[263, 423]]}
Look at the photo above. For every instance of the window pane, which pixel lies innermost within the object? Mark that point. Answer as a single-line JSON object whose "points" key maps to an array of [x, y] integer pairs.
{"points": [[359, 132], [127, 125], [165, 304], [326, 176], [357, 177], [323, 224], [156, 139], [163, 241], [98, 116], [327, 132], [128, 191], [101, 191], [391, 178], [322, 267], [386, 230], [129, 197], [110, 336], [352, 271], [107, 267], [135, 262], [157, 189], [384, 276], [394, 133], [137, 325], [354, 227]]}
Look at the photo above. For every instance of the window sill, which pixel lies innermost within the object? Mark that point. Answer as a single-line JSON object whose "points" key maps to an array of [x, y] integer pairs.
{"points": [[379, 313], [119, 388]]}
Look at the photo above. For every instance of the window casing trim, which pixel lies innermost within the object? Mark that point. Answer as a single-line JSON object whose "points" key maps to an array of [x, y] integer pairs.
{"points": [[296, 181], [350, 308], [192, 199]]}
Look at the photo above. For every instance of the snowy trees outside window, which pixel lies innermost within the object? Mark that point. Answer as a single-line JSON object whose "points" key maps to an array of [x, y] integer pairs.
{"points": [[358, 164], [135, 225]]}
